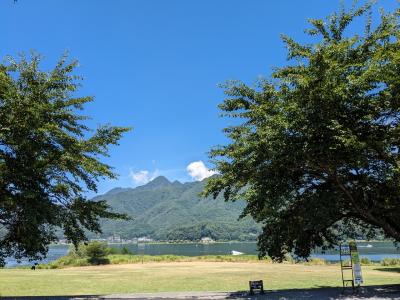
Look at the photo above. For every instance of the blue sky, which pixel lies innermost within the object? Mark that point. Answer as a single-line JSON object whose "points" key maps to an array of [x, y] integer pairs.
{"points": [[156, 66]]}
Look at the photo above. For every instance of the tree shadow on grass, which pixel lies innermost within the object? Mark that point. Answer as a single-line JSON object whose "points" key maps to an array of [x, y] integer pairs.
{"points": [[50, 297], [332, 293], [319, 293], [394, 270]]}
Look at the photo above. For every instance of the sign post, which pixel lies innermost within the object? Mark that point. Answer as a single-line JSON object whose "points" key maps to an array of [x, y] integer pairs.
{"points": [[355, 258], [353, 265], [256, 285]]}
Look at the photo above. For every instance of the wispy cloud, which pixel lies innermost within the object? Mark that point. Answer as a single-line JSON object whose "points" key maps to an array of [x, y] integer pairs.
{"points": [[198, 170], [143, 176]]}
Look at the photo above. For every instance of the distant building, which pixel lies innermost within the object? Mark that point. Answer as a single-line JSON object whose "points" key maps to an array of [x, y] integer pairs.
{"points": [[144, 239], [98, 240], [114, 239], [207, 240]]}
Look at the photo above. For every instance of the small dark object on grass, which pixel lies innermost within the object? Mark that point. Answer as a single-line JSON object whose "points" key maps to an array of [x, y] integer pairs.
{"points": [[34, 266]]}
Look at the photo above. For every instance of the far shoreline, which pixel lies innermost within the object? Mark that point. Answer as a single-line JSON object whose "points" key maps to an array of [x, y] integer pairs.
{"points": [[199, 242]]}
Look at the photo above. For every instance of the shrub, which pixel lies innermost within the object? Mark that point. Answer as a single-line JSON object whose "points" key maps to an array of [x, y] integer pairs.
{"points": [[390, 262], [125, 250], [97, 253], [288, 258], [79, 252], [53, 266], [365, 261], [315, 261], [114, 250], [266, 259]]}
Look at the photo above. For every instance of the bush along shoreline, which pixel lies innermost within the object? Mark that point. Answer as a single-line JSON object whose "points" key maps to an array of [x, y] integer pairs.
{"points": [[98, 253]]}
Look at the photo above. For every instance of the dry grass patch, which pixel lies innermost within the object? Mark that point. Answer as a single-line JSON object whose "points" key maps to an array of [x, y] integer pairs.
{"points": [[177, 276]]}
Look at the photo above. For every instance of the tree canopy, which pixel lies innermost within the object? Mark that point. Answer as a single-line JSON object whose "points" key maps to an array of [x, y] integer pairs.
{"points": [[49, 158], [315, 152]]}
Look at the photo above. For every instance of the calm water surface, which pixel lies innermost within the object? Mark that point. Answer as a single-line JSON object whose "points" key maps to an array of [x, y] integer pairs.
{"points": [[375, 251]]}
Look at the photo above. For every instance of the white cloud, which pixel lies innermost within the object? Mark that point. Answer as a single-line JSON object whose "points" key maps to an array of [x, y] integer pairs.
{"points": [[143, 176], [198, 170]]}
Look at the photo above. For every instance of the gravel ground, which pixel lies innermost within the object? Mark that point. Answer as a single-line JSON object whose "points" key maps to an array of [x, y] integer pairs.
{"points": [[371, 292]]}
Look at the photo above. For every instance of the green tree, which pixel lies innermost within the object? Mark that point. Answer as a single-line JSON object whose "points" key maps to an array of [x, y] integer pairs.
{"points": [[49, 158], [97, 253], [315, 152]]}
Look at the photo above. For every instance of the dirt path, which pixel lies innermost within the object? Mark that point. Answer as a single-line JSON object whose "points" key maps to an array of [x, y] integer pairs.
{"points": [[372, 292], [391, 292]]}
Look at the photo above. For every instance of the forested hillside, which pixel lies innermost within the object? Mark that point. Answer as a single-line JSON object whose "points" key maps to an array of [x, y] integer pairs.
{"points": [[165, 210]]}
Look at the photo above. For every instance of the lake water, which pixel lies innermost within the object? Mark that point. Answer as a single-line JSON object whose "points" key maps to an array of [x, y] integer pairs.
{"points": [[375, 251]]}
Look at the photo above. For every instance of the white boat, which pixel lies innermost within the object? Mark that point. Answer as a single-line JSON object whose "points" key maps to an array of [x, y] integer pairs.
{"points": [[233, 252], [365, 246]]}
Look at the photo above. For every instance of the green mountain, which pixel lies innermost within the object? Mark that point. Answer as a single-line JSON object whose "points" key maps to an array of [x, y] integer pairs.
{"points": [[165, 210]]}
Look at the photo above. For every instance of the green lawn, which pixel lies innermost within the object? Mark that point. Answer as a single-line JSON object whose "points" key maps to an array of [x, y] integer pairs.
{"points": [[179, 276]]}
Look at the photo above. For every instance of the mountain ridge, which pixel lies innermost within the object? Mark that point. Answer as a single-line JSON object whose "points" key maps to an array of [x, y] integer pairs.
{"points": [[165, 210]]}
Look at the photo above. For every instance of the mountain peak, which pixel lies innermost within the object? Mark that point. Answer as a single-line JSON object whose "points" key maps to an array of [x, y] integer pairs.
{"points": [[159, 181]]}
